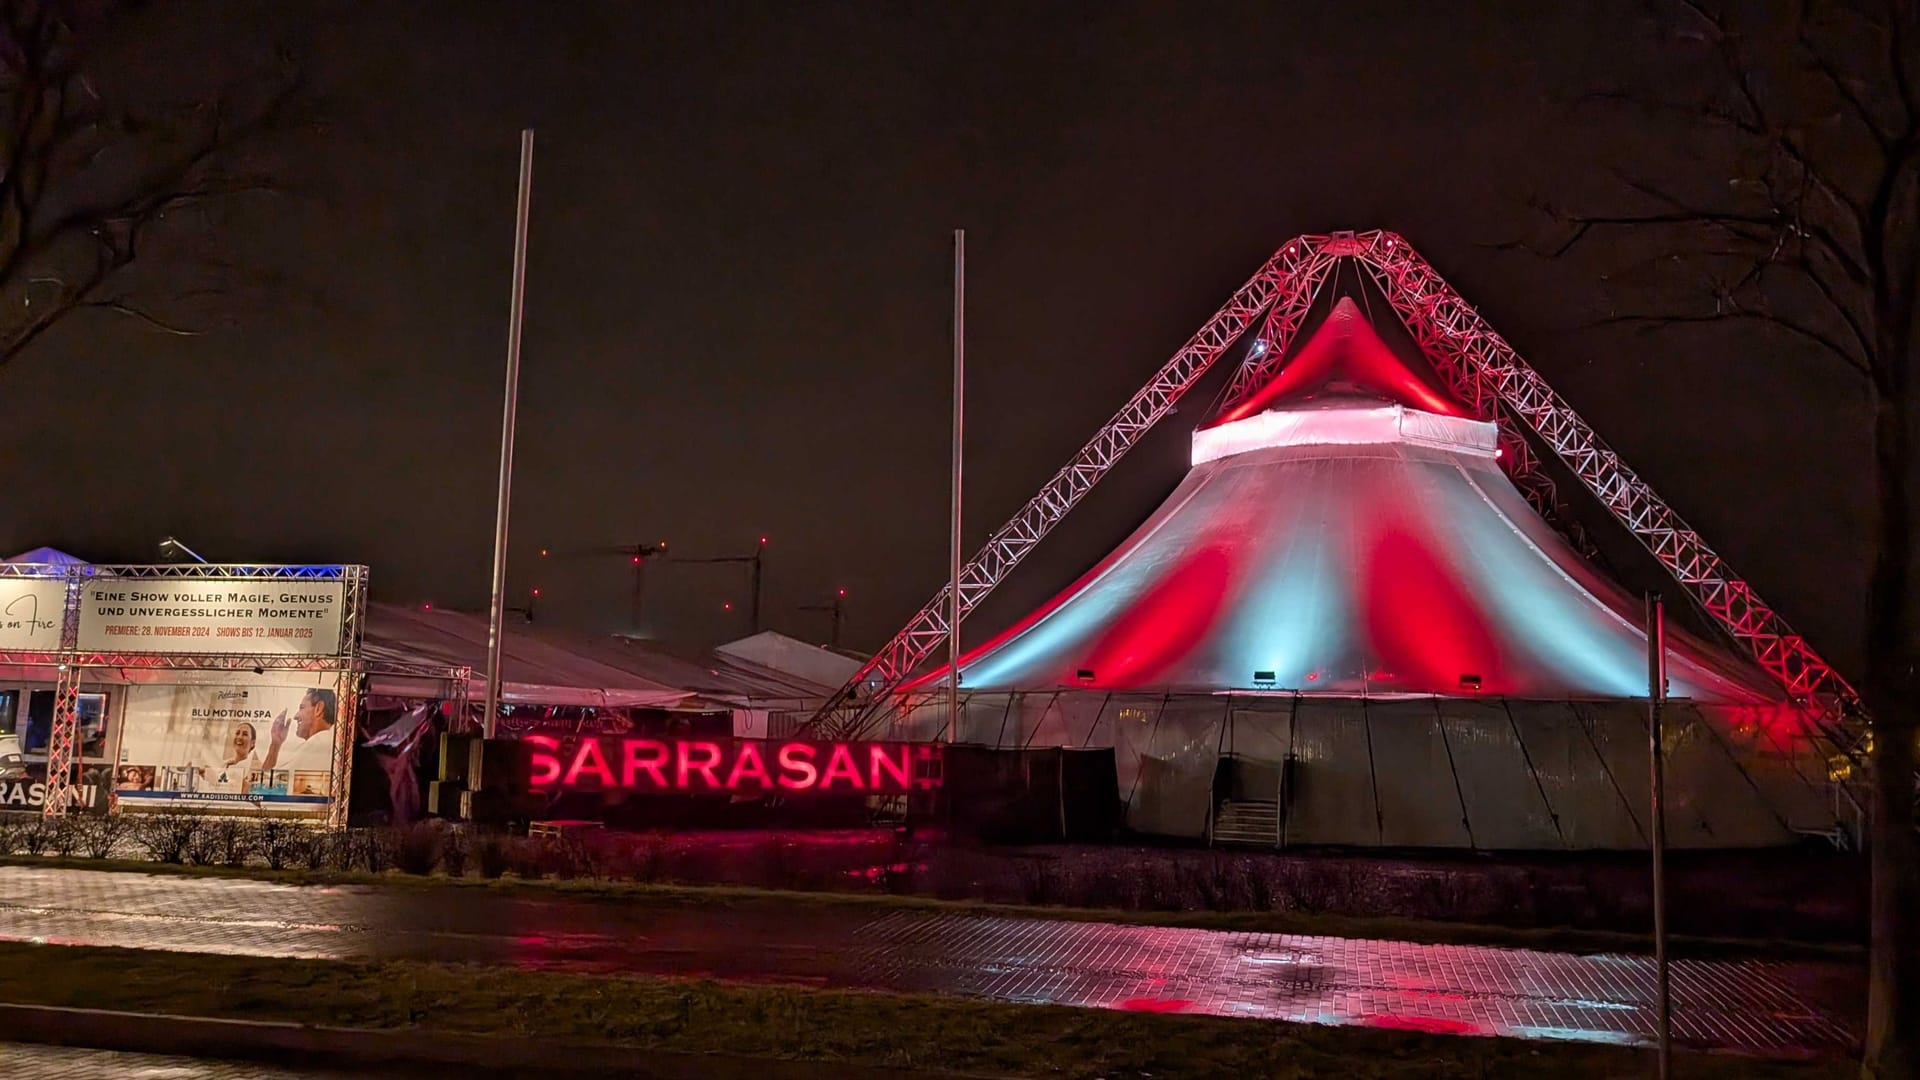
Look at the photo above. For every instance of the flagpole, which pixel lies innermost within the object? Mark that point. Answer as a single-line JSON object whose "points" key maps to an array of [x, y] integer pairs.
{"points": [[959, 428], [1656, 698], [496, 612]]}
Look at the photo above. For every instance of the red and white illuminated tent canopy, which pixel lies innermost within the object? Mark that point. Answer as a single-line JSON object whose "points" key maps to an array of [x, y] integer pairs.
{"points": [[1350, 625], [1348, 529]]}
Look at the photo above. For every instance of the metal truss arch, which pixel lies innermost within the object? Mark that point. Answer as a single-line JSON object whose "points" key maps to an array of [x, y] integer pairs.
{"points": [[1484, 374]]}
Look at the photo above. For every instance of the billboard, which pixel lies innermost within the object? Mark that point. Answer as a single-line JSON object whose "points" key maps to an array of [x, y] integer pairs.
{"points": [[731, 766], [276, 616], [265, 748], [31, 610]]}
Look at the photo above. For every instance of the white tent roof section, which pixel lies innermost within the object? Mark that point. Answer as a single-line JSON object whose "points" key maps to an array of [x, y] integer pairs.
{"points": [[549, 666], [534, 671], [715, 676], [791, 656]]}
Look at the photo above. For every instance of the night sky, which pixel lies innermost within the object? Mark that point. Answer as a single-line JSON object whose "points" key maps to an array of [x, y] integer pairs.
{"points": [[738, 291]]}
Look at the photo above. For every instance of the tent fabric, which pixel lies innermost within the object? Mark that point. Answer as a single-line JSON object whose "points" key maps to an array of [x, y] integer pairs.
{"points": [[1383, 568], [775, 651], [551, 666], [1348, 426], [1345, 356], [534, 672], [47, 556], [1493, 774]]}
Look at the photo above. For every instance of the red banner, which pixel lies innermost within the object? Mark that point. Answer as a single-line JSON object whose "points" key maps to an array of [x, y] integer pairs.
{"points": [[713, 766]]}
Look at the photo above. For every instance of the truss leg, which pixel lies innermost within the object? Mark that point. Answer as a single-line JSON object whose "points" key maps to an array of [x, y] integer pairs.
{"points": [[347, 695], [63, 743]]}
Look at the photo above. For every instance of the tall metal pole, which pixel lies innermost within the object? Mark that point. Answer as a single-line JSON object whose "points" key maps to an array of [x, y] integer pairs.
{"points": [[959, 429], [504, 498], [758, 577], [639, 585], [1656, 698]]}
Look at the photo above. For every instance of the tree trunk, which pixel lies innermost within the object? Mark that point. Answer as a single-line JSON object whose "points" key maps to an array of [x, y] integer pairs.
{"points": [[1893, 1008]]}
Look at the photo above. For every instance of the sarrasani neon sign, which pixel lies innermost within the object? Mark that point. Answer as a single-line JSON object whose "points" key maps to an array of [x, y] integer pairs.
{"points": [[612, 763]]}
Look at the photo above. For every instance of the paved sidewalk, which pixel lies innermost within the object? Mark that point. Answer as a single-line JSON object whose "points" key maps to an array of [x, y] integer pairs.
{"points": [[1752, 1006], [23, 1062]]}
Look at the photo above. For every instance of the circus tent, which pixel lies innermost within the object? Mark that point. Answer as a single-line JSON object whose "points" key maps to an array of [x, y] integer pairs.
{"points": [[1346, 625]]}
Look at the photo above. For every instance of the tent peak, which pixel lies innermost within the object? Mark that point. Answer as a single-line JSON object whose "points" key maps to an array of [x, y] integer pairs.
{"points": [[1346, 359]]}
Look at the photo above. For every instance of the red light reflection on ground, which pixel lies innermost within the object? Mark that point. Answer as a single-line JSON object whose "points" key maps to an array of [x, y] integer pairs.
{"points": [[1155, 1005], [1431, 1025]]}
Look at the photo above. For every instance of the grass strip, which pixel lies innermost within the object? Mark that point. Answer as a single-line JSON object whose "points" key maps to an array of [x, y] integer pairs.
{"points": [[631, 893], [950, 1033]]}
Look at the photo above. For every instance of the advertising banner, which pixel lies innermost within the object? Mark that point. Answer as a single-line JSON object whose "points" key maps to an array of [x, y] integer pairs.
{"points": [[30, 613], [267, 748], [274, 616]]}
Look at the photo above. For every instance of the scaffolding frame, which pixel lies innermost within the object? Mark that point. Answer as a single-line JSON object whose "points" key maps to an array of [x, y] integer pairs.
{"points": [[345, 660]]}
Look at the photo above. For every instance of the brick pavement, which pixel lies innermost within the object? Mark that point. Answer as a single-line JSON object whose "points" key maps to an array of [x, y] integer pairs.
{"points": [[1746, 1005]]}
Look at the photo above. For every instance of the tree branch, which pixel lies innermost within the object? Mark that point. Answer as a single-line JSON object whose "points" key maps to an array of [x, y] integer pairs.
{"points": [[1772, 140], [1827, 342], [1897, 18], [85, 183], [129, 310], [1864, 112]]}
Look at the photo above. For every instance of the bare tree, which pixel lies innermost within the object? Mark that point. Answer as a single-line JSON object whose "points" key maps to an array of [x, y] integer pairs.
{"points": [[97, 175], [1796, 207]]}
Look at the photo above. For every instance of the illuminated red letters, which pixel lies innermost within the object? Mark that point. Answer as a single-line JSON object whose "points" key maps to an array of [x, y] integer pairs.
{"points": [[546, 761], [731, 765], [642, 755], [797, 759], [587, 757], [840, 769], [749, 757]]}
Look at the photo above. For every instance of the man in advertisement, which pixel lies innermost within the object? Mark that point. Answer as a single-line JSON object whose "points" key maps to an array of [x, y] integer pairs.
{"points": [[312, 724]]}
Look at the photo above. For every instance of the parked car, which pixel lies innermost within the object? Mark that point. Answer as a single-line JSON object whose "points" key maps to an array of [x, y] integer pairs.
{"points": [[13, 766]]}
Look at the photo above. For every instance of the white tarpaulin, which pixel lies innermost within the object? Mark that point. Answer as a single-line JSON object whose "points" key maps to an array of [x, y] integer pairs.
{"points": [[534, 671]]}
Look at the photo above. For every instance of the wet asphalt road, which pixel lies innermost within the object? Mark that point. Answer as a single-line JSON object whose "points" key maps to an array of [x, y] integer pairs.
{"points": [[1752, 1006]]}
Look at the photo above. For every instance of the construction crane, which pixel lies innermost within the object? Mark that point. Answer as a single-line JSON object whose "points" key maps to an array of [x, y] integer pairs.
{"points": [[637, 554], [837, 610], [757, 561]]}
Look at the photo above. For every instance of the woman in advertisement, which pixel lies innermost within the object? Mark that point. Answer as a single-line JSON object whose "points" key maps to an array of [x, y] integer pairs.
{"points": [[241, 762]]}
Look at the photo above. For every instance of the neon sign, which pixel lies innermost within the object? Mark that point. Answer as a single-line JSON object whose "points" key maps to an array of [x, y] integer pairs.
{"points": [[613, 763]]}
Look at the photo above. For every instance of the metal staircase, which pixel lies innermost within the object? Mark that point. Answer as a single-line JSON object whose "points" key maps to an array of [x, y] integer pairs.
{"points": [[1247, 823]]}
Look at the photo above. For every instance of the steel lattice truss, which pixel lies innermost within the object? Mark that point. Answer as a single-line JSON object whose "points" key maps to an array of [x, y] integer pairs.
{"points": [[1482, 371], [1450, 331], [63, 739]]}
